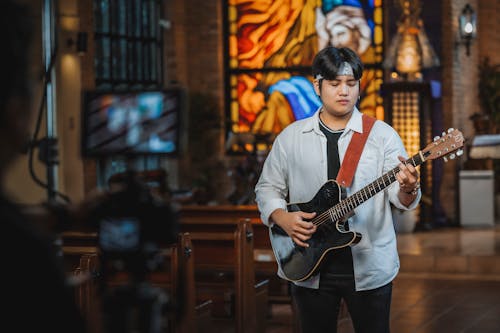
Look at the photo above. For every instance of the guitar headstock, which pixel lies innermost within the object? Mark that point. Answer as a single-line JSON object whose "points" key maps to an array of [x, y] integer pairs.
{"points": [[449, 143]]}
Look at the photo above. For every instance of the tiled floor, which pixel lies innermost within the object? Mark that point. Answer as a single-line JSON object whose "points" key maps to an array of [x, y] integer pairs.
{"points": [[449, 283]]}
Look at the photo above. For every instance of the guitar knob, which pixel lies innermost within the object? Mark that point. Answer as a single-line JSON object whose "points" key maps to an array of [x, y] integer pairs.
{"points": [[436, 138], [451, 129], [445, 159], [452, 156], [460, 152], [443, 134]]}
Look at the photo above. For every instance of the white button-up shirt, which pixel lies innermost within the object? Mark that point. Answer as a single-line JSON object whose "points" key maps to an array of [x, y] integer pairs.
{"points": [[297, 166]]}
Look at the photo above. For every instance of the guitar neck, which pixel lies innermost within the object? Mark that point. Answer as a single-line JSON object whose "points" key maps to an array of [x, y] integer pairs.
{"points": [[345, 206]]}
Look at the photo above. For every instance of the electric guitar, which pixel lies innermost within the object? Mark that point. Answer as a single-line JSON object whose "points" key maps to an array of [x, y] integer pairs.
{"points": [[299, 263]]}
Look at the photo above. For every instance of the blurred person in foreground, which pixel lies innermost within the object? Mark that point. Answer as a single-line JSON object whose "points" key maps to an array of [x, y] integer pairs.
{"points": [[34, 292]]}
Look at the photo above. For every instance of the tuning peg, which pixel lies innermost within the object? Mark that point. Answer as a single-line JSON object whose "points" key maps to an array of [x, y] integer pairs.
{"points": [[451, 129], [443, 134], [436, 138], [452, 156], [445, 159], [460, 152]]}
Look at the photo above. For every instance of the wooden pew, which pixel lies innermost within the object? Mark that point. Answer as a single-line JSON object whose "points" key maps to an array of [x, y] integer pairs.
{"points": [[81, 263], [83, 279], [175, 276], [224, 270], [264, 260], [266, 265], [220, 211]]}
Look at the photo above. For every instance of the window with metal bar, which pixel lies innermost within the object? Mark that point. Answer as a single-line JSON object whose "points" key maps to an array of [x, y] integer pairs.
{"points": [[128, 44], [128, 57]]}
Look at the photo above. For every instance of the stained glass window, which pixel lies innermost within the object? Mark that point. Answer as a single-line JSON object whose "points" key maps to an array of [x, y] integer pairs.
{"points": [[270, 51]]}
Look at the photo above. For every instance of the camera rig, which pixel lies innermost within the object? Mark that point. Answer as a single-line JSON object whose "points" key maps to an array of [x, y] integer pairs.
{"points": [[133, 225]]}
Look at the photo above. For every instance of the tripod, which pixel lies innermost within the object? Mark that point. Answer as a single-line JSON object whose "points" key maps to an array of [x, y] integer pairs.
{"points": [[135, 308]]}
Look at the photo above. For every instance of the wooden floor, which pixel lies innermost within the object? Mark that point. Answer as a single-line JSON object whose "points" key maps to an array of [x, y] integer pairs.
{"points": [[449, 283]]}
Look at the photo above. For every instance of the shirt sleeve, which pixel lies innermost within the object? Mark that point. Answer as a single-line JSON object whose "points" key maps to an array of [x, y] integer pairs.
{"points": [[395, 148], [271, 189]]}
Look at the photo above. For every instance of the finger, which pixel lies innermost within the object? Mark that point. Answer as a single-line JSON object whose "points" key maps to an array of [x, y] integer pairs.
{"points": [[299, 242], [402, 176], [302, 236], [403, 168], [399, 179], [415, 173], [403, 165], [305, 228], [308, 216], [407, 173], [410, 170]]}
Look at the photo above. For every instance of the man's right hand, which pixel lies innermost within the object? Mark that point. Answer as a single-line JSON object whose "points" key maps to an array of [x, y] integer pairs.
{"points": [[296, 225]]}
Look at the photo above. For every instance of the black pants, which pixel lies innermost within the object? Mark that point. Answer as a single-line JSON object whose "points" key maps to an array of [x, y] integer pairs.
{"points": [[318, 308]]}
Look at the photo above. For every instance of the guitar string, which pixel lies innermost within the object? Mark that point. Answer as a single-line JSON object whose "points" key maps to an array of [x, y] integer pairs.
{"points": [[344, 205], [328, 215], [415, 160]]}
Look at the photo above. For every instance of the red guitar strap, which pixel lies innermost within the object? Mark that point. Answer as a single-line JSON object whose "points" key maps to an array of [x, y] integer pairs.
{"points": [[353, 153]]}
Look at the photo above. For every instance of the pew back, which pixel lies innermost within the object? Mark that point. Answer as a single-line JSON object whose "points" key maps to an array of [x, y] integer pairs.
{"points": [[175, 276], [224, 268], [264, 260]]}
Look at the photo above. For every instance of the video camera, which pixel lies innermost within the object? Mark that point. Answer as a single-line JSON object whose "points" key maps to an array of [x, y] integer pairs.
{"points": [[133, 226]]}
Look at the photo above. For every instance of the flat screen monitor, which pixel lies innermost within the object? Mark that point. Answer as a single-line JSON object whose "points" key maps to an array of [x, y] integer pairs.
{"points": [[131, 123]]}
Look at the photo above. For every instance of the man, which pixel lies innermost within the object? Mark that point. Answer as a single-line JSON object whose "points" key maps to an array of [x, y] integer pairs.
{"points": [[303, 157], [34, 292]]}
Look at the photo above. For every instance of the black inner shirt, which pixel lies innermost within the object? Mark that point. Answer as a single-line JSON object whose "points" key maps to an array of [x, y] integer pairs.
{"points": [[337, 263]]}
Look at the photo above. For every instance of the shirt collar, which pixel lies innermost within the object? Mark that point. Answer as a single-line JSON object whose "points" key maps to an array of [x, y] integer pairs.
{"points": [[312, 123], [355, 123]]}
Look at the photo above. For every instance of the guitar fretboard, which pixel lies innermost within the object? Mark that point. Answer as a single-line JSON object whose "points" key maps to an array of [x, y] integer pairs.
{"points": [[347, 205]]}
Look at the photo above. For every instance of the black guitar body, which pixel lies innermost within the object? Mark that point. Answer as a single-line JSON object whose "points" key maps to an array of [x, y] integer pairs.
{"points": [[299, 263]]}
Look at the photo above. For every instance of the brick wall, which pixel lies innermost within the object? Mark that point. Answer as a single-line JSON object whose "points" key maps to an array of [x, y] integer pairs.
{"points": [[194, 58], [460, 80], [488, 28], [196, 62]]}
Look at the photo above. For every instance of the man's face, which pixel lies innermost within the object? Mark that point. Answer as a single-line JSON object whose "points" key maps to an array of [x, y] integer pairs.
{"points": [[339, 96]]}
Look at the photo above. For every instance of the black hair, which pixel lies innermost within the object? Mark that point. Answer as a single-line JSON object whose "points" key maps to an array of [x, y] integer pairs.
{"points": [[16, 32], [328, 61]]}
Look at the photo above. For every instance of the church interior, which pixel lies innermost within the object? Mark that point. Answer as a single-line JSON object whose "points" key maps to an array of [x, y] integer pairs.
{"points": [[173, 106]]}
